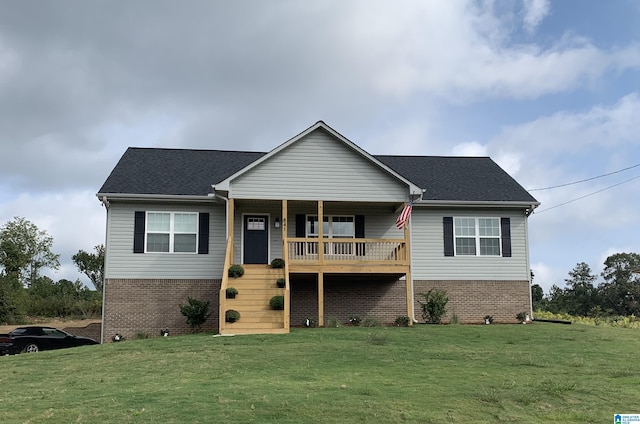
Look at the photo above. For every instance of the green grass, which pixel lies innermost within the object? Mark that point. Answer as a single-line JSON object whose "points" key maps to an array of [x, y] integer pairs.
{"points": [[539, 373]]}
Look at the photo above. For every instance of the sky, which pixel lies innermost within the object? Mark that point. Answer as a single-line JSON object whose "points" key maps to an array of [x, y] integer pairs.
{"points": [[549, 90]]}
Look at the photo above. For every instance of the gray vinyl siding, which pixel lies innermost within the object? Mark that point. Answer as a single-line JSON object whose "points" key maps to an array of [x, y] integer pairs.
{"points": [[121, 262], [318, 167], [427, 249]]}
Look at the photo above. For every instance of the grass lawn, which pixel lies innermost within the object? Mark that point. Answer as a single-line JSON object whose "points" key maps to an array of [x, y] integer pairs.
{"points": [[538, 373]]}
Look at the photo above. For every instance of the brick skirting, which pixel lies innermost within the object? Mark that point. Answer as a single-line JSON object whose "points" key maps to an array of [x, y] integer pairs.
{"points": [[471, 301], [137, 306]]}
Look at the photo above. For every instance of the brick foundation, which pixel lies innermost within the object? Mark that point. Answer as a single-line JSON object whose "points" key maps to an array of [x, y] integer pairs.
{"points": [[134, 306], [471, 301], [378, 297]]}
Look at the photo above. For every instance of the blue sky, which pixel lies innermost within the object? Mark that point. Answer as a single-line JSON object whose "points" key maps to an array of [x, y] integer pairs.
{"points": [[549, 90]]}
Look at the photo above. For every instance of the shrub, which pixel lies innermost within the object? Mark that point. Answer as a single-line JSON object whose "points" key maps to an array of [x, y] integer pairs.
{"points": [[309, 323], [281, 283], [521, 316], [371, 322], [354, 320], [231, 315], [434, 306], [231, 293], [454, 319], [196, 312], [141, 335], [402, 321], [277, 263], [277, 302], [488, 319], [333, 323], [236, 271]]}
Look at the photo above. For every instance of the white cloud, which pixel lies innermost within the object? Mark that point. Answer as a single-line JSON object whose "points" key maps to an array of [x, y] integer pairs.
{"points": [[534, 12], [472, 148]]}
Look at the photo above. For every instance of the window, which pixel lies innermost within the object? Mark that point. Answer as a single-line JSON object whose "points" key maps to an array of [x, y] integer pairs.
{"points": [[477, 236], [332, 226], [172, 232]]}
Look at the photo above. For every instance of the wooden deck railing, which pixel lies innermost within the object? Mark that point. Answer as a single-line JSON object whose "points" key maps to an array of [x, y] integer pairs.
{"points": [[223, 286], [383, 251]]}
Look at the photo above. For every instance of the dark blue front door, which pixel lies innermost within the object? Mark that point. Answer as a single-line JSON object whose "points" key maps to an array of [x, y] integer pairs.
{"points": [[256, 239]]}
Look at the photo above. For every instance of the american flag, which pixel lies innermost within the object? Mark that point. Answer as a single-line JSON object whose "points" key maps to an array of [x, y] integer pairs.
{"points": [[403, 218]]}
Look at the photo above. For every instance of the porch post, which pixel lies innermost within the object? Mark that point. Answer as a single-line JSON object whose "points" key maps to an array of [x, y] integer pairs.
{"points": [[320, 299], [285, 256], [231, 208], [320, 233], [285, 243], [408, 280]]}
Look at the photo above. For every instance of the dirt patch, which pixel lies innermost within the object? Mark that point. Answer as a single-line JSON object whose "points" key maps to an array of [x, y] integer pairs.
{"points": [[57, 323]]}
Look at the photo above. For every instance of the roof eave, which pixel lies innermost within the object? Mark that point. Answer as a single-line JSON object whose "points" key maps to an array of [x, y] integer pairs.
{"points": [[479, 203], [162, 197]]}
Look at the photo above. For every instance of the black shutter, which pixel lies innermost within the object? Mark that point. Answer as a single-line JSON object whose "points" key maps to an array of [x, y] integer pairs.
{"points": [[447, 230], [505, 226], [359, 223], [203, 233], [359, 233], [138, 232], [300, 226]]}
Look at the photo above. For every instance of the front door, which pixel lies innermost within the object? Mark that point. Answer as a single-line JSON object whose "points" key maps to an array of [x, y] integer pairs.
{"points": [[256, 239]]}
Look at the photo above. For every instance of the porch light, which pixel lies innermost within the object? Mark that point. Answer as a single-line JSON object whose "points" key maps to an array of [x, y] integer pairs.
{"points": [[276, 223]]}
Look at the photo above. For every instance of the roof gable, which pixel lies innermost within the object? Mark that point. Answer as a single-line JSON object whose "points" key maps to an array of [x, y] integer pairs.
{"points": [[320, 125]]}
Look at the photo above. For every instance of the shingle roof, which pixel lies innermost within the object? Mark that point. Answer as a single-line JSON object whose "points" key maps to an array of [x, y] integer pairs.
{"points": [[174, 171], [192, 172], [466, 179]]}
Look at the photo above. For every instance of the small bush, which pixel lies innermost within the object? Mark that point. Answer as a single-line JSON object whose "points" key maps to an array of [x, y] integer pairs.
{"points": [[236, 271], [371, 322], [231, 315], [231, 292], [354, 320], [309, 323], [281, 283], [434, 306], [277, 263], [521, 316], [488, 319], [333, 323], [402, 321], [141, 336], [197, 312], [277, 302], [454, 319]]}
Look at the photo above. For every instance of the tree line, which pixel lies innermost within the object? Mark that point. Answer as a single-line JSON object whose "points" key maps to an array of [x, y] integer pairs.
{"points": [[25, 251], [618, 294]]}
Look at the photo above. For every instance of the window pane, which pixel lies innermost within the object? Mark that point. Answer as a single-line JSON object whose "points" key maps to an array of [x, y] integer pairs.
{"points": [[490, 246], [488, 227], [158, 222], [184, 243], [342, 226], [465, 226], [312, 226], [157, 242], [465, 246], [185, 223]]}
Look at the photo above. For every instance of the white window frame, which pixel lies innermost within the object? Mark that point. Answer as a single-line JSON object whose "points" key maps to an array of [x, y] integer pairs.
{"points": [[329, 234], [477, 236], [172, 232]]}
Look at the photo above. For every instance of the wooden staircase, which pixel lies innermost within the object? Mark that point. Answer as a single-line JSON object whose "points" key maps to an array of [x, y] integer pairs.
{"points": [[255, 288]]}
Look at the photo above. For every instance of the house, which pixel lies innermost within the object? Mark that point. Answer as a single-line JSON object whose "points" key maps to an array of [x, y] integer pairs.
{"points": [[177, 219]]}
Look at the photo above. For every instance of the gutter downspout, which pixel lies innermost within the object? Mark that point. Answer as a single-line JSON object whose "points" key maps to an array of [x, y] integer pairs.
{"points": [[226, 210], [105, 203]]}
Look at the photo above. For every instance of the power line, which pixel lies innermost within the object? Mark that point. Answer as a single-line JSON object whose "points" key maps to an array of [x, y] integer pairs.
{"points": [[585, 180], [590, 194]]}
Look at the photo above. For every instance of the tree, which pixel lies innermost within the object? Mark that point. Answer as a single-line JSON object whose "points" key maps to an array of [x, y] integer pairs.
{"points": [[91, 265], [537, 297], [581, 295], [621, 288], [25, 250]]}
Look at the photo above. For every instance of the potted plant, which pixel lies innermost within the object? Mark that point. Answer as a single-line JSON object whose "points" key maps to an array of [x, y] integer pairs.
{"points": [[277, 263], [522, 317], [231, 292], [281, 283], [488, 319], [231, 315], [277, 303], [236, 271]]}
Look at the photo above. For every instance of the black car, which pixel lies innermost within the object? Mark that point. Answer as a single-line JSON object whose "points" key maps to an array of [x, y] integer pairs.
{"points": [[34, 339]]}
